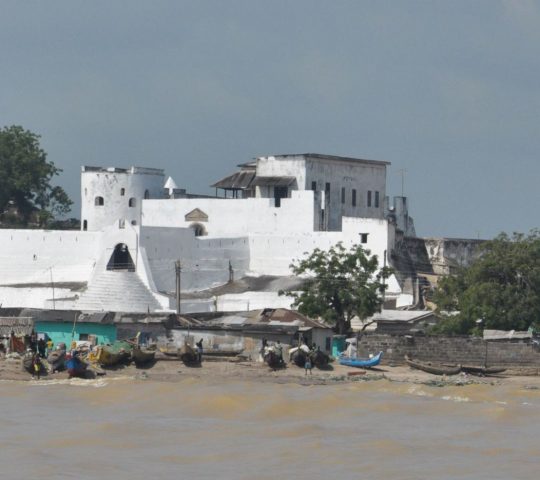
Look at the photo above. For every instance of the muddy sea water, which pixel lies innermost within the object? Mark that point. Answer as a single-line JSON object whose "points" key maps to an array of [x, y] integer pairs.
{"points": [[137, 429]]}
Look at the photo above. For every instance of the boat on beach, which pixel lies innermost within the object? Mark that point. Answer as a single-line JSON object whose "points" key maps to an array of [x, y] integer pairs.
{"points": [[319, 359], [434, 368], [75, 366], [188, 355], [114, 354], [359, 362], [57, 359], [481, 371], [142, 356]]}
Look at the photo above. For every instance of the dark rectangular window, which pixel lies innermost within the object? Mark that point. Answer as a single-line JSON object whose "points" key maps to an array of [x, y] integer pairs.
{"points": [[327, 187], [342, 194], [376, 199], [314, 186], [354, 198], [328, 344], [363, 237], [369, 198]]}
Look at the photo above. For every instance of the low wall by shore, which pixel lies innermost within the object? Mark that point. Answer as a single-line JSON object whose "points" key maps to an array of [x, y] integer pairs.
{"points": [[456, 349]]}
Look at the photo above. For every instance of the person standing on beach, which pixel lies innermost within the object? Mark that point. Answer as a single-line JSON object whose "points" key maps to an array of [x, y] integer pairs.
{"points": [[199, 350], [308, 366]]}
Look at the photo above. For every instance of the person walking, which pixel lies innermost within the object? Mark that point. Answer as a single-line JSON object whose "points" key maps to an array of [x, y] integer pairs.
{"points": [[199, 350], [36, 366]]}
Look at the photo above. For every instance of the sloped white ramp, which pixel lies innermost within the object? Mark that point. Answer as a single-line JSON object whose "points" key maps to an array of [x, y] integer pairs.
{"points": [[117, 291]]}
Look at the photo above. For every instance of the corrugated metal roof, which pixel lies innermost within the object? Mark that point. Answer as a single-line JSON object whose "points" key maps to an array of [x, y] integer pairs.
{"points": [[237, 181]]}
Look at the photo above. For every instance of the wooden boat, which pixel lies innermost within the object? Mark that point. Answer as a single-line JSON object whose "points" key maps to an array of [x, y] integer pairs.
{"points": [[188, 355], [57, 360], [362, 363], [273, 359], [169, 351], [114, 354], [75, 366], [142, 355], [481, 371], [319, 359], [434, 368], [298, 357]]}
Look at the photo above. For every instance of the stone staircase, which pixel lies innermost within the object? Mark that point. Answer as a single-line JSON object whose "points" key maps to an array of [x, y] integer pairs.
{"points": [[118, 291]]}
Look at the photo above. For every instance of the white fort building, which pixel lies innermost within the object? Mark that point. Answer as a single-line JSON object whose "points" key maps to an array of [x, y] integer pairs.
{"points": [[235, 248]]}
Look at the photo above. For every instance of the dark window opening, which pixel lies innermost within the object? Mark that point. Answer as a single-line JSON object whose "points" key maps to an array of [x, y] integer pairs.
{"points": [[328, 344], [376, 199], [99, 202], [327, 187], [83, 337], [353, 201], [199, 229], [363, 237], [121, 259], [314, 186], [146, 194], [342, 194], [122, 192], [279, 193], [133, 222], [369, 198], [132, 202], [85, 225]]}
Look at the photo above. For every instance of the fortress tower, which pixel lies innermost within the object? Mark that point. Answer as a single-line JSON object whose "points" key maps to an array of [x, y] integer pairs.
{"points": [[114, 195]]}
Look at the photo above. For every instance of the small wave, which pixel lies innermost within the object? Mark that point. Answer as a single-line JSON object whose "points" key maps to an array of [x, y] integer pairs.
{"points": [[456, 398]]}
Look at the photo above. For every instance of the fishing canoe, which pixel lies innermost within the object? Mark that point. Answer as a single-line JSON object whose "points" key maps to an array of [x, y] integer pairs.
{"points": [[359, 362], [298, 357], [434, 368], [114, 354], [142, 356], [188, 355], [482, 371], [57, 360], [319, 359], [75, 366]]}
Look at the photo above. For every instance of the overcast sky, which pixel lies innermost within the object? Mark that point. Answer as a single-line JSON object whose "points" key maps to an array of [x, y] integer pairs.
{"points": [[448, 91]]}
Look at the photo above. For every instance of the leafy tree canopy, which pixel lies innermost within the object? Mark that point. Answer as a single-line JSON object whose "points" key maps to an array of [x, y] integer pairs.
{"points": [[340, 284], [501, 288], [25, 180]]}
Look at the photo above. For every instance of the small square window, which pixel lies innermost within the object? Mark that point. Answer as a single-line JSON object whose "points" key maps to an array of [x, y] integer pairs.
{"points": [[363, 237]]}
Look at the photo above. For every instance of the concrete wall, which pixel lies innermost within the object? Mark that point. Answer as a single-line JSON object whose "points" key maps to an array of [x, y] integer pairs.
{"points": [[456, 350], [66, 332], [234, 217], [27, 256], [117, 187]]}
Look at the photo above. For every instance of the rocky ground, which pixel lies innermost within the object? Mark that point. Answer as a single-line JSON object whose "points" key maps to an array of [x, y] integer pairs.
{"points": [[166, 369]]}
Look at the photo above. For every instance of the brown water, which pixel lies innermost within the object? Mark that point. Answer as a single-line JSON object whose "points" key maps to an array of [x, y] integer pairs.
{"points": [[127, 429]]}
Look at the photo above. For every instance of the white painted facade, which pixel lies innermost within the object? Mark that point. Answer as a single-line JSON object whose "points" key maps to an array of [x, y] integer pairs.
{"points": [[115, 195], [251, 237]]}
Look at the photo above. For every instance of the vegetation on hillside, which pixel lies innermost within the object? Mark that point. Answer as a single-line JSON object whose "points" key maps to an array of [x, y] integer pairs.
{"points": [[500, 290]]}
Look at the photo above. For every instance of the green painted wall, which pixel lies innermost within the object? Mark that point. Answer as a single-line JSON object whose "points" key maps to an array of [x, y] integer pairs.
{"points": [[61, 331]]}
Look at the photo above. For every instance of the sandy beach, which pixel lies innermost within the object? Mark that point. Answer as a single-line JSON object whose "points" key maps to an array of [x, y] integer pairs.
{"points": [[166, 369]]}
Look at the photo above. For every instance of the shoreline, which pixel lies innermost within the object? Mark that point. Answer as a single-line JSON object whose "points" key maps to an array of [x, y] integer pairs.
{"points": [[222, 371]]}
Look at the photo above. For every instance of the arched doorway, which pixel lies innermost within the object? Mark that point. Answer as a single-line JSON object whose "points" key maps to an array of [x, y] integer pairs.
{"points": [[121, 259]]}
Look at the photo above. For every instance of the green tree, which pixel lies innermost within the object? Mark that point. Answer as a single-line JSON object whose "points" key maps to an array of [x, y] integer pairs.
{"points": [[501, 288], [339, 285], [25, 178]]}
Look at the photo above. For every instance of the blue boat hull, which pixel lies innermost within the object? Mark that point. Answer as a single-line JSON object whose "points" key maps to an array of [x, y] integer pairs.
{"points": [[358, 362]]}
